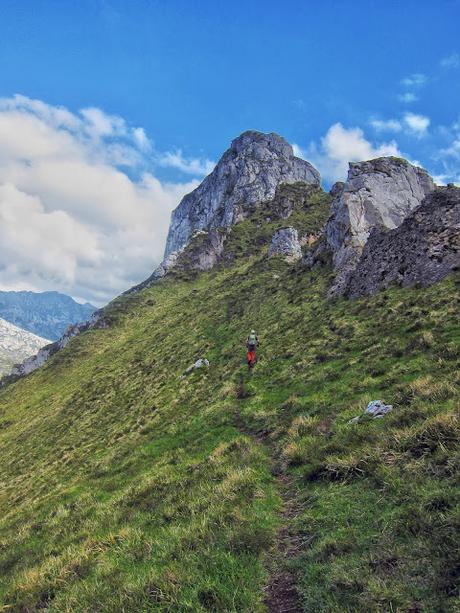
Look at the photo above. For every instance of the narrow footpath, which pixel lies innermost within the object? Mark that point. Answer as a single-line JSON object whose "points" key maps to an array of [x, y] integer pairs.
{"points": [[281, 595]]}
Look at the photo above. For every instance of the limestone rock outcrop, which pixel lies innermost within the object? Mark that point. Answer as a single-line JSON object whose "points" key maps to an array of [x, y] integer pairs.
{"points": [[378, 193], [246, 176], [423, 250], [285, 242]]}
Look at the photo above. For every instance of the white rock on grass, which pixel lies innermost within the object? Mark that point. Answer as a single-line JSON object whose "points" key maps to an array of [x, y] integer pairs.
{"points": [[201, 363], [376, 409]]}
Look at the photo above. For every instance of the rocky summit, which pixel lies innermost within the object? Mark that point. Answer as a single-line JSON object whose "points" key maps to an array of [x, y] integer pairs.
{"points": [[377, 193], [246, 176]]}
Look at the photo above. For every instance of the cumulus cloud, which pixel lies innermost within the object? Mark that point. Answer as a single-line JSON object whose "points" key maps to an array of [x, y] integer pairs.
{"points": [[409, 123], [453, 150], [80, 208], [341, 145], [417, 124]]}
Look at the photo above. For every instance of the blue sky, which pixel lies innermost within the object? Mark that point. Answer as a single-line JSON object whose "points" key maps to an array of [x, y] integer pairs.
{"points": [[167, 85]]}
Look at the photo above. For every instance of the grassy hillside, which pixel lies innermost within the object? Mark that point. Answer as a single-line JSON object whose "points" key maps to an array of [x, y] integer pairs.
{"points": [[125, 487]]}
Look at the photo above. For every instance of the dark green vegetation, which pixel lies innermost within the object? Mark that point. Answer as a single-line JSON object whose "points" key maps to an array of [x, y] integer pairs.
{"points": [[125, 487]]}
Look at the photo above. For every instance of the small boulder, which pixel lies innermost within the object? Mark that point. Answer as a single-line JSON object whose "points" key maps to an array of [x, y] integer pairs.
{"points": [[376, 409], [201, 363], [285, 242]]}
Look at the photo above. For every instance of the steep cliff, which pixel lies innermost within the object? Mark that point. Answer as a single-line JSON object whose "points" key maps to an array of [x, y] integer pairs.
{"points": [[247, 175], [423, 250], [377, 193]]}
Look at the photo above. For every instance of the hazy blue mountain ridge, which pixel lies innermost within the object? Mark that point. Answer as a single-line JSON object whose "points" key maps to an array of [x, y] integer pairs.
{"points": [[47, 314]]}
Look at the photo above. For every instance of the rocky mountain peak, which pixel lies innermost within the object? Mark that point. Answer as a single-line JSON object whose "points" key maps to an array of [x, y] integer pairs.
{"points": [[256, 143], [378, 193], [246, 176]]}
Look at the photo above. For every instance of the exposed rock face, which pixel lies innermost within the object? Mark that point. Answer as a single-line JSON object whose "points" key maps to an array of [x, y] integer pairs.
{"points": [[204, 250], [423, 250], [378, 193], [246, 176], [285, 242], [202, 253]]}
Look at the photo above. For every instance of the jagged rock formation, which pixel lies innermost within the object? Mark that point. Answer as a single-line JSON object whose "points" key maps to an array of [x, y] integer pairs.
{"points": [[380, 192], [16, 345], [423, 250], [202, 253], [285, 242], [46, 314], [246, 176]]}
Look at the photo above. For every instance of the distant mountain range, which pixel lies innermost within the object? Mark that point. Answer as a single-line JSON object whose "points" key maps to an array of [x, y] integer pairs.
{"points": [[46, 314], [16, 345]]}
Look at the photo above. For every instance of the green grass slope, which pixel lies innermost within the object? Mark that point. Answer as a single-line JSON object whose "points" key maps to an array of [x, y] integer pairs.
{"points": [[124, 487]]}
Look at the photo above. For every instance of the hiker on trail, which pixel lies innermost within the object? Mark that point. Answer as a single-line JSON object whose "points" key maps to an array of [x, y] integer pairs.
{"points": [[252, 342]]}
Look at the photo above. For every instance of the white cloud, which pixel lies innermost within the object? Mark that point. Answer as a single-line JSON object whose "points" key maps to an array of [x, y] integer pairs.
{"points": [[417, 124], [70, 218], [339, 147], [451, 61], [386, 125], [100, 124], [192, 166], [407, 97], [417, 79], [411, 123]]}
